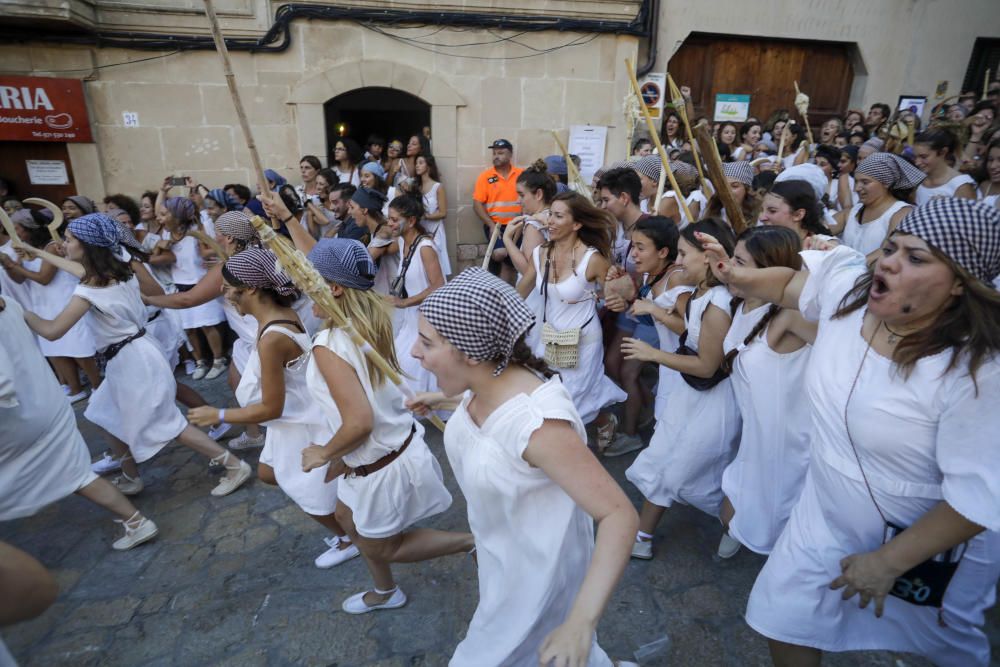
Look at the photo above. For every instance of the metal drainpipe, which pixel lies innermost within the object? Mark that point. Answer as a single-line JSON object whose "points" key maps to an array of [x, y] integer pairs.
{"points": [[654, 24]]}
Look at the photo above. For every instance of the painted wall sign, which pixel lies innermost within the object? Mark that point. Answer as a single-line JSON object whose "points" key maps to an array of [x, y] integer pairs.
{"points": [[735, 108], [43, 109]]}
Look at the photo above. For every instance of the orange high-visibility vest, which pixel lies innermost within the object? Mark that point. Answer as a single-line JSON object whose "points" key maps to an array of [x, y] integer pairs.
{"points": [[498, 195]]}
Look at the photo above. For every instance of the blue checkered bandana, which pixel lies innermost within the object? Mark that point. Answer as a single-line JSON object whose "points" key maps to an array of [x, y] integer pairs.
{"points": [[345, 262], [96, 229]]}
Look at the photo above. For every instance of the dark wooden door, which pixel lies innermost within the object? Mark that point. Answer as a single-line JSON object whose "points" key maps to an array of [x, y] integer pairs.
{"points": [[766, 70], [14, 169]]}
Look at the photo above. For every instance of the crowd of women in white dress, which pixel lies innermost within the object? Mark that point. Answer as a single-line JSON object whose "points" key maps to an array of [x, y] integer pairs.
{"points": [[825, 386]]}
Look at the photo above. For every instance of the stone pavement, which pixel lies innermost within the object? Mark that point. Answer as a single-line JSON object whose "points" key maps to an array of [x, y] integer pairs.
{"points": [[231, 582]]}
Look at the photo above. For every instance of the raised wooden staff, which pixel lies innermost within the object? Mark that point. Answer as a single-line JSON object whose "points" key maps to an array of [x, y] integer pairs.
{"points": [[802, 104], [574, 173], [57, 216], [491, 245], [721, 184], [655, 136], [210, 242], [676, 96]]}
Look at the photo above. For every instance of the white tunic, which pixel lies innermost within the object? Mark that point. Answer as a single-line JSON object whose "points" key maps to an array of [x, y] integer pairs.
{"points": [[868, 237], [436, 228], [921, 439], [533, 543], [669, 342], [187, 271], [245, 328], [20, 292], [135, 403], [43, 457], [765, 479], [301, 423], [695, 438], [409, 489], [570, 305], [926, 193], [406, 320], [50, 300]]}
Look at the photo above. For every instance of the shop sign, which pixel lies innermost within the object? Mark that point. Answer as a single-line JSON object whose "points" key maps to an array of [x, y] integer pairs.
{"points": [[43, 109]]}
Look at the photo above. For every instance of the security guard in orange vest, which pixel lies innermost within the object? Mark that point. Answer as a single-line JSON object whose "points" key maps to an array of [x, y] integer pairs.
{"points": [[495, 202]]}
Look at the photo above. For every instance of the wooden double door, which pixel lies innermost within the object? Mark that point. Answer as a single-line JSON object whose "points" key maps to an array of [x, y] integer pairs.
{"points": [[765, 69]]}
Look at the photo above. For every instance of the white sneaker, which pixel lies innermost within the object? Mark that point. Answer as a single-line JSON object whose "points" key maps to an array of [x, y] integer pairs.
{"points": [[189, 367], [136, 532], [218, 368], [106, 464], [129, 486], [200, 370], [335, 555], [728, 547], [76, 398], [219, 430], [244, 441], [642, 549], [624, 444], [356, 603]]}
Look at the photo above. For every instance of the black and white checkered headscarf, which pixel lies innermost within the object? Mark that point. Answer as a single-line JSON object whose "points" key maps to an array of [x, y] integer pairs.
{"points": [[236, 225], [968, 232], [739, 171], [127, 238], [891, 171], [480, 315], [649, 166], [256, 267], [683, 168]]}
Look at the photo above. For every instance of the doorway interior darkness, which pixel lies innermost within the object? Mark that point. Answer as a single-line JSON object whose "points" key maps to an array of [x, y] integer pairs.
{"points": [[389, 113]]}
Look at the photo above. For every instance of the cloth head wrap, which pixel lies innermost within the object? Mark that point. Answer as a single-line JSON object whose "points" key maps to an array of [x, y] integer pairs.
{"points": [[96, 229], [556, 165], [345, 262], [236, 225], [809, 173], [275, 177], [739, 171], [182, 209], [649, 166], [481, 315], [220, 197], [891, 171], [368, 199], [967, 231], [85, 204], [256, 267], [682, 168], [618, 165], [875, 143], [24, 218], [375, 168], [127, 238]]}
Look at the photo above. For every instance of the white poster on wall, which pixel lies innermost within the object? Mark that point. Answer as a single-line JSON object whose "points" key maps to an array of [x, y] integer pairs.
{"points": [[47, 172], [588, 142]]}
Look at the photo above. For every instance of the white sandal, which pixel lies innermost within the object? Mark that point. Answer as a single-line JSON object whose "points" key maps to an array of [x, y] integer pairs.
{"points": [[227, 485]]}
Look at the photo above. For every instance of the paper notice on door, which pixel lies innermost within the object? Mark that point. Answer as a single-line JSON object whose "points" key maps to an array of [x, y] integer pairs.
{"points": [[47, 172]]}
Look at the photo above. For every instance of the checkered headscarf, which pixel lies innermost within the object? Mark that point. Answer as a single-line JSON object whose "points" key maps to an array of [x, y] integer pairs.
{"points": [[968, 232], [345, 262], [683, 168], [182, 209], [480, 315], [127, 238], [236, 225], [649, 166], [24, 218], [891, 171], [256, 267], [96, 229], [739, 171]]}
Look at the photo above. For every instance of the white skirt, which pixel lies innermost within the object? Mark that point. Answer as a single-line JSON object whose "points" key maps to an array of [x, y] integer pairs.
{"points": [[283, 445], [135, 403], [390, 500], [694, 441], [205, 315], [168, 334]]}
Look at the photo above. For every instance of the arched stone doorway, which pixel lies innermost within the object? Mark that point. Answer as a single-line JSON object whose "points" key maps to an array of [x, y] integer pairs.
{"points": [[388, 113]]}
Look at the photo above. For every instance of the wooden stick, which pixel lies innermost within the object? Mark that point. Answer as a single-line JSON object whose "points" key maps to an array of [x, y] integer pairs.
{"points": [[574, 173], [675, 94], [660, 183], [8, 226], [986, 84], [655, 136], [805, 119], [714, 166], [494, 235], [57, 216], [307, 278], [234, 93], [210, 242]]}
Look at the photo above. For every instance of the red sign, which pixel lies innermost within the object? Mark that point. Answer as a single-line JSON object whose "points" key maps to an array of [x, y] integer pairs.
{"points": [[42, 109]]}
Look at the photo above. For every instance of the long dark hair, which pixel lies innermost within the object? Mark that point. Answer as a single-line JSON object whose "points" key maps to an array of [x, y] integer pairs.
{"points": [[537, 177], [596, 225], [101, 267], [800, 195], [969, 326], [522, 355], [38, 237], [410, 206], [722, 232], [432, 169]]}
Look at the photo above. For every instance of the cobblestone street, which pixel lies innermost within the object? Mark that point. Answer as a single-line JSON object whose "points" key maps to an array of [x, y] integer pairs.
{"points": [[231, 581]]}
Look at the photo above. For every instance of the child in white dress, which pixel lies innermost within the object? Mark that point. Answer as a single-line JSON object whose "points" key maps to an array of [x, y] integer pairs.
{"points": [[533, 490]]}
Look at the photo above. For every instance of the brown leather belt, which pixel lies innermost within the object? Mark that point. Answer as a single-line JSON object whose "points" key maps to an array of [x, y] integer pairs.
{"points": [[368, 469]]}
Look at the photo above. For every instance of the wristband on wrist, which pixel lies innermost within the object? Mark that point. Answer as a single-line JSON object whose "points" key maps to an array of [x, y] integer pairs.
{"points": [[222, 415], [291, 216]]}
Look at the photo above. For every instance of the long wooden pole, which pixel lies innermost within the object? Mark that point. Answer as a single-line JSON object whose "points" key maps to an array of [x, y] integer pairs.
{"points": [[675, 94], [655, 136], [234, 93], [714, 166], [574, 173], [491, 245]]}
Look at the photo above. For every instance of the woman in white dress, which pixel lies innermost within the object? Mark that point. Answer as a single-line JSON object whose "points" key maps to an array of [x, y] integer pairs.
{"points": [[792, 204], [137, 429], [435, 207], [45, 457], [989, 189], [884, 182], [419, 275], [17, 289], [567, 271], [696, 436], [391, 480], [273, 392], [768, 371], [533, 490], [902, 475], [932, 151], [51, 289]]}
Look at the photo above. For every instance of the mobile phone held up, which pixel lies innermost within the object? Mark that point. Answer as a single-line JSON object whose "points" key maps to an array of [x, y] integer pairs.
{"points": [[178, 180]]}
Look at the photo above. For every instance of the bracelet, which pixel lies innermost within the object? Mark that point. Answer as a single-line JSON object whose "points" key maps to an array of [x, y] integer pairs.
{"points": [[222, 415], [290, 217]]}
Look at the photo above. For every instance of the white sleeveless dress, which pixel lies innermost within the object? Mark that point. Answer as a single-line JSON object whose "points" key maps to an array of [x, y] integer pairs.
{"points": [[135, 403], [188, 270], [409, 489], [926, 193], [765, 479], [20, 292], [406, 320], [570, 305], [436, 229], [245, 328], [669, 342], [868, 237], [301, 424], [695, 438], [50, 300], [533, 542]]}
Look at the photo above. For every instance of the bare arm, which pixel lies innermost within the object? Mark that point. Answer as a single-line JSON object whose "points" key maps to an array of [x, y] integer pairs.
{"points": [[966, 191], [147, 284], [715, 325], [206, 289], [776, 284], [64, 321], [277, 210], [442, 211], [519, 257], [435, 278], [54, 262]]}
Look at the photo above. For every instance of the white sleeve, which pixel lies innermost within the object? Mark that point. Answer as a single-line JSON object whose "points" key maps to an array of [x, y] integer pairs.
{"points": [[968, 447], [832, 274], [8, 395]]}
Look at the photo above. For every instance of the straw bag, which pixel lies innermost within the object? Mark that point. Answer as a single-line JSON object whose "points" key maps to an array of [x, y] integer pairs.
{"points": [[562, 348]]}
